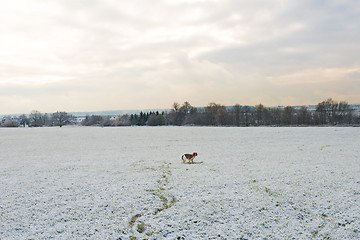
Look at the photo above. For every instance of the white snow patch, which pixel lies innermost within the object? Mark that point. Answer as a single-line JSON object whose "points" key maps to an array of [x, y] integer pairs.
{"points": [[111, 183]]}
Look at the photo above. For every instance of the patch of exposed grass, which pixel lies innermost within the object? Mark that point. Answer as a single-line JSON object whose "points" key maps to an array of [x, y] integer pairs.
{"points": [[271, 192], [141, 227], [194, 162], [134, 218], [162, 193]]}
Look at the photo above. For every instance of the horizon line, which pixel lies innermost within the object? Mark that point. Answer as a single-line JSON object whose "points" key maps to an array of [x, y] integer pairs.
{"points": [[126, 111]]}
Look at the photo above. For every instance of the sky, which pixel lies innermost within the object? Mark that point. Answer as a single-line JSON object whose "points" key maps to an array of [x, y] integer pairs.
{"points": [[93, 55]]}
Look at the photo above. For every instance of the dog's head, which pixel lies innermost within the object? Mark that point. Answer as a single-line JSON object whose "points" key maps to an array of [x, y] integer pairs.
{"points": [[194, 154]]}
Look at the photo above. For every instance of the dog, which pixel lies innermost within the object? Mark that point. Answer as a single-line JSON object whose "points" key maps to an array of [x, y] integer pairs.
{"points": [[189, 157]]}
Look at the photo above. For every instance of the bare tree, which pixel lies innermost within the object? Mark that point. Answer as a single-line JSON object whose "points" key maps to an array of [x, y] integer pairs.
{"points": [[124, 120], [345, 113], [276, 115], [24, 120], [216, 114], [176, 106], [332, 112], [61, 118], [247, 114], [187, 113], [259, 114], [93, 120], [46, 120], [9, 122], [303, 116], [178, 113], [236, 113], [186, 108], [288, 115], [331, 109], [35, 118], [155, 120]]}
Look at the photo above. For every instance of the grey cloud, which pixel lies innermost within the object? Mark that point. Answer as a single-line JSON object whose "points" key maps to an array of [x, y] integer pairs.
{"points": [[329, 38], [124, 48]]}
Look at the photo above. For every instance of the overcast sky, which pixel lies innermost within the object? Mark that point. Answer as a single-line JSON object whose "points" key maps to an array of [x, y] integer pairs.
{"points": [[88, 55]]}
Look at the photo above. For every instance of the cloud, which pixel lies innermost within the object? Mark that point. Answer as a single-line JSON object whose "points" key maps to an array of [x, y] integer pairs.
{"points": [[318, 75], [146, 54], [181, 80]]}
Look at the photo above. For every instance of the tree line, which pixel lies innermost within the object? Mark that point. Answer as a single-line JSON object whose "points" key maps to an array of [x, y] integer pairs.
{"points": [[327, 112], [38, 119]]}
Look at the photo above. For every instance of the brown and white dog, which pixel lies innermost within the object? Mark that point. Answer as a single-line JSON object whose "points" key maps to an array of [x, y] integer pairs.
{"points": [[189, 157]]}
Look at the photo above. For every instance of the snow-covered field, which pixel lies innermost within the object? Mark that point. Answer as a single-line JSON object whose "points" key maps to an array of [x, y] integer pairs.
{"points": [[129, 182]]}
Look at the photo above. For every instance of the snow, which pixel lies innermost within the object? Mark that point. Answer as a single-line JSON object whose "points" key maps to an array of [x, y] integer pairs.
{"points": [[129, 182]]}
